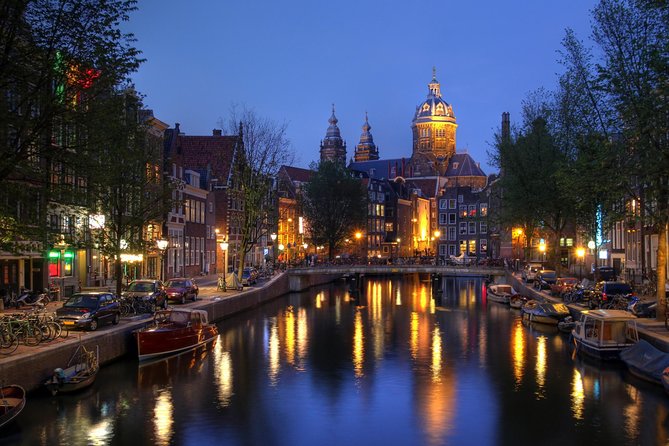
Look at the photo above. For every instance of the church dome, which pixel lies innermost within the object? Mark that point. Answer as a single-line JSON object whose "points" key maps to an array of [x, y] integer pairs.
{"points": [[434, 107]]}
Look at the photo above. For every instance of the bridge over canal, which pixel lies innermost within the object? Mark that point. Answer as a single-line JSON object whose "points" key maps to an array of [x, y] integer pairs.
{"points": [[299, 277]]}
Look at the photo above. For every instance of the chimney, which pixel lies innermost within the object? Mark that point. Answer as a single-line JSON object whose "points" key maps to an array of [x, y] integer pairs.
{"points": [[217, 132], [506, 130], [176, 128]]}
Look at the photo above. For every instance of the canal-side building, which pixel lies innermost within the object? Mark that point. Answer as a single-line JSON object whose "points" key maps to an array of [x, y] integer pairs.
{"points": [[463, 222]]}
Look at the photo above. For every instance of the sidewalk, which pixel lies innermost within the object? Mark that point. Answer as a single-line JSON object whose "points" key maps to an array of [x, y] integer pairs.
{"points": [[652, 329]]}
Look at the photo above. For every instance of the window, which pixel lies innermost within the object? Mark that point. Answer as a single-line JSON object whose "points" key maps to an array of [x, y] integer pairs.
{"points": [[461, 198], [484, 209], [463, 228], [443, 203], [456, 165], [483, 246], [442, 219], [472, 227], [451, 203], [451, 250], [451, 218], [484, 228], [463, 246], [463, 211], [389, 227], [472, 248], [452, 235], [472, 210]]}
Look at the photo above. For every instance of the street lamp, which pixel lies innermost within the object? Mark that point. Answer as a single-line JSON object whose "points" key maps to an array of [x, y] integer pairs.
{"points": [[162, 246], [542, 249], [398, 247], [580, 253], [224, 246], [437, 234], [273, 237]]}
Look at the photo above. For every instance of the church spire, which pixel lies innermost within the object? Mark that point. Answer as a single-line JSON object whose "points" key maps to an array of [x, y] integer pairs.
{"points": [[435, 89], [333, 148], [366, 150]]}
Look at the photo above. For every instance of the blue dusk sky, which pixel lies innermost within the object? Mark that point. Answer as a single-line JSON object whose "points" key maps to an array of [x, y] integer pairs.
{"points": [[290, 60]]}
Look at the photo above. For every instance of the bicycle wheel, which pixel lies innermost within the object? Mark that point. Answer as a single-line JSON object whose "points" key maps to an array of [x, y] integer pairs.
{"points": [[8, 343], [64, 331], [54, 329], [31, 335]]}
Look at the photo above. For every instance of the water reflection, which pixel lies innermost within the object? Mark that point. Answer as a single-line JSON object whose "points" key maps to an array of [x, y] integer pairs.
{"points": [[518, 351], [383, 368], [163, 417]]}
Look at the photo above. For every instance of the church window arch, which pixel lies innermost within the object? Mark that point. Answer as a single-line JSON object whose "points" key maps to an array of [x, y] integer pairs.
{"points": [[440, 110], [426, 107]]}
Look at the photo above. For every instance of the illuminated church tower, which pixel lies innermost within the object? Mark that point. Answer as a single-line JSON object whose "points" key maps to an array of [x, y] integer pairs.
{"points": [[333, 148], [433, 128], [366, 150]]}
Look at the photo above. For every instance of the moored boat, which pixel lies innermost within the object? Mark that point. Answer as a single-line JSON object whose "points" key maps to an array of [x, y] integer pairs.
{"points": [[517, 301], [500, 292], [79, 373], [603, 334], [173, 331], [645, 361], [544, 312], [12, 402]]}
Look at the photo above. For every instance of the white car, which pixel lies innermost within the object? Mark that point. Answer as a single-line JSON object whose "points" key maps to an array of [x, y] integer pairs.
{"points": [[530, 271]]}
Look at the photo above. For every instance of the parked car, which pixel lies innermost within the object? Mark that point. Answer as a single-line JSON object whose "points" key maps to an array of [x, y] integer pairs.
{"points": [[544, 278], [148, 289], [605, 273], [604, 291], [179, 289], [529, 271], [562, 285], [89, 309], [249, 276]]}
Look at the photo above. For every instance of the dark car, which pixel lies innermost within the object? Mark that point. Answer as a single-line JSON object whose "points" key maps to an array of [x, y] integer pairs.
{"points": [[605, 291], [605, 273], [180, 289], [90, 309], [249, 276], [544, 279], [147, 289]]}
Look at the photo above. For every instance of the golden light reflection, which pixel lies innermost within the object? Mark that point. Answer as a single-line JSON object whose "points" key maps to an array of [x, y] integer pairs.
{"points": [[398, 297], [302, 337], [577, 395], [632, 412], [358, 346], [100, 433], [319, 298], [541, 365], [273, 353], [163, 418], [413, 335], [518, 352], [290, 339], [436, 355], [223, 374], [424, 296]]}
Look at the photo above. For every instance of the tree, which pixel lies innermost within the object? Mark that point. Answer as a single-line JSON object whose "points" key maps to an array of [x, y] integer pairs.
{"points": [[56, 57], [265, 148], [334, 203], [628, 88], [127, 186]]}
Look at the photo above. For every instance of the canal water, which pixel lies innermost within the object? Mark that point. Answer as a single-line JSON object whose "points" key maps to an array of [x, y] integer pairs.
{"points": [[388, 366]]}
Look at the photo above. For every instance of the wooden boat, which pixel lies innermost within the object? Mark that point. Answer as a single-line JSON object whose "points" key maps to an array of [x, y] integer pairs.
{"points": [[645, 361], [80, 372], [544, 312], [500, 292], [174, 330], [12, 402], [603, 334], [517, 301]]}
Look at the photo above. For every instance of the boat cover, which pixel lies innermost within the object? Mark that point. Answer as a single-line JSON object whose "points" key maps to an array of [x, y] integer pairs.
{"points": [[647, 359]]}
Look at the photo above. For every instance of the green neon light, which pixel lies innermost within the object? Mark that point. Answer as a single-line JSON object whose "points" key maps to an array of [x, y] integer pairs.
{"points": [[54, 254], [68, 254]]}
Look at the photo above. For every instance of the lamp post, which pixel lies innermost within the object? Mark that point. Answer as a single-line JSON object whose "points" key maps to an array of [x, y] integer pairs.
{"points": [[224, 246], [437, 234], [281, 247], [580, 253], [398, 247], [542, 249], [273, 236], [162, 246]]}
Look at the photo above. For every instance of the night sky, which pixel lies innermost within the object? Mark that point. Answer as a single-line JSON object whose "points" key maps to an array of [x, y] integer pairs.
{"points": [[291, 60]]}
